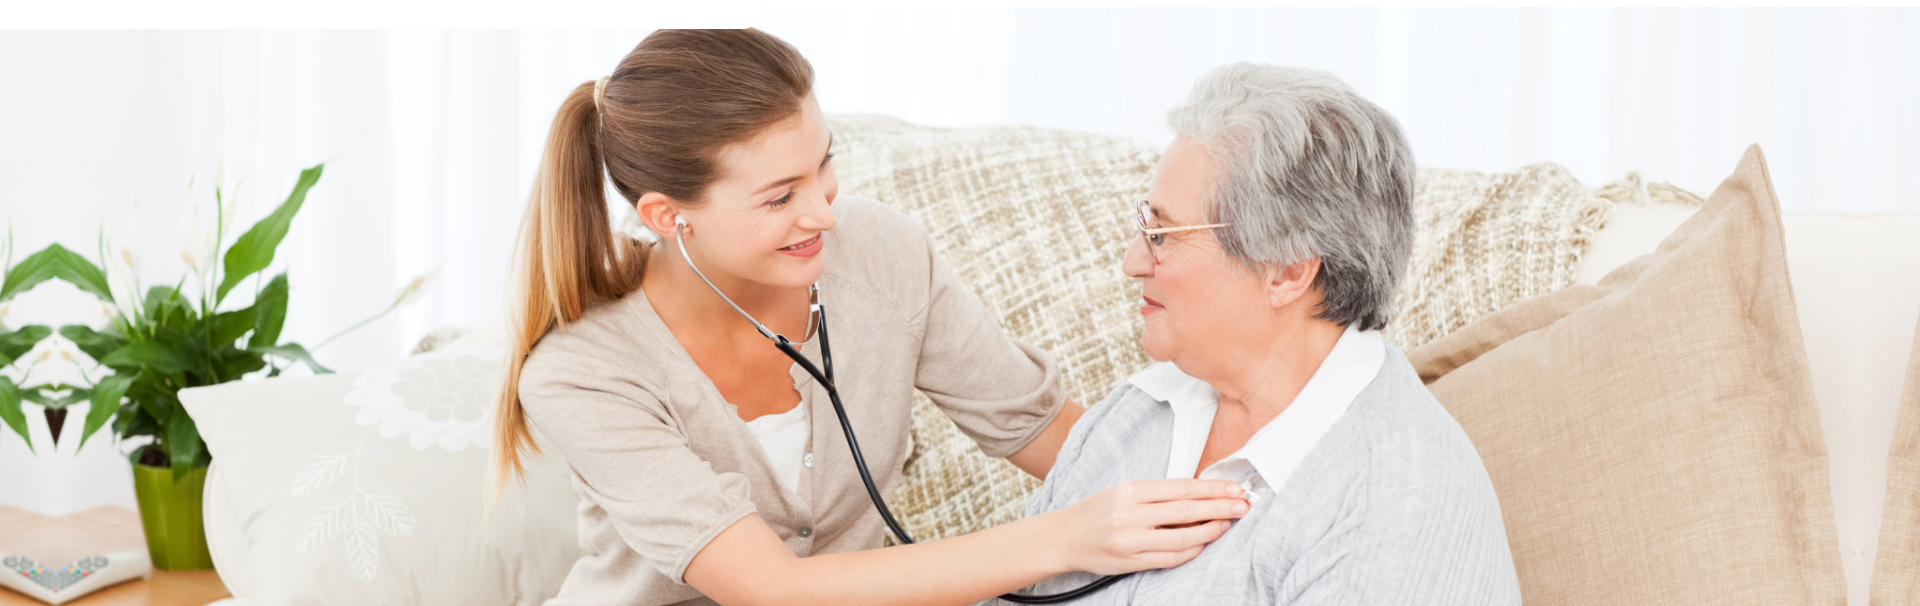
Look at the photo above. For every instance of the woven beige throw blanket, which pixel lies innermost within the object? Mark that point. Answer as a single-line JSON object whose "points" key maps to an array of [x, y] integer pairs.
{"points": [[1037, 221]]}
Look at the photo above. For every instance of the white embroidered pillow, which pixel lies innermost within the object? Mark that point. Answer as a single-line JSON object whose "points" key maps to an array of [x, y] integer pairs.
{"points": [[370, 488]]}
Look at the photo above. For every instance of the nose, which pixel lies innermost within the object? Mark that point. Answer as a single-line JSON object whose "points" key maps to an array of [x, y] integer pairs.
{"points": [[819, 215], [1138, 263]]}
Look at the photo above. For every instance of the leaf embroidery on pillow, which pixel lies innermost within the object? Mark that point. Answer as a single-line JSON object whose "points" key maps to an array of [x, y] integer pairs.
{"points": [[322, 527], [325, 467], [365, 512]]}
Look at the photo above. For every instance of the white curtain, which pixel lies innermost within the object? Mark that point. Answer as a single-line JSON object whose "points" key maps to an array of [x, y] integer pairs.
{"points": [[430, 138]]}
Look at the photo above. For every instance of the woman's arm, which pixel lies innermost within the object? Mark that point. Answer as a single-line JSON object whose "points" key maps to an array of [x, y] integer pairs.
{"points": [[1037, 457], [1118, 530]]}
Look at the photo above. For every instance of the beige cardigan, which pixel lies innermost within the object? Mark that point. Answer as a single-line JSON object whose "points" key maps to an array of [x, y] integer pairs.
{"points": [[663, 464]]}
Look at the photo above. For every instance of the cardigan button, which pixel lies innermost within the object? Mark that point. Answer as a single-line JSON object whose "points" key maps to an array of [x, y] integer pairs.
{"points": [[805, 531]]}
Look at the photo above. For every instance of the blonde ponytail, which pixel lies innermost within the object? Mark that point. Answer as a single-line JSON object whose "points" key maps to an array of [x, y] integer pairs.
{"points": [[569, 259]]}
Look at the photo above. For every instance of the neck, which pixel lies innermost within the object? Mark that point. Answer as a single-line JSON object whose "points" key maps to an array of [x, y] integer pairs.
{"points": [[1265, 374], [680, 297]]}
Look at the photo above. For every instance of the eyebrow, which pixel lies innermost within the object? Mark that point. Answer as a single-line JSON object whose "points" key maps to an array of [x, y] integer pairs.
{"points": [[1154, 213], [789, 180]]}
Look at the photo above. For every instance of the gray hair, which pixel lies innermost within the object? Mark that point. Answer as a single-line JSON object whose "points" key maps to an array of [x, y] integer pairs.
{"points": [[1307, 168]]}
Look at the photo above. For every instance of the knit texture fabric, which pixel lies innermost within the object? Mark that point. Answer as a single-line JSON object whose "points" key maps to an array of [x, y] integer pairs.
{"points": [[1037, 220]]}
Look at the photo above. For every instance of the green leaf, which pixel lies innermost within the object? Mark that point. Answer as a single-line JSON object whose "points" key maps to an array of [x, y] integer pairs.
{"points": [[191, 348], [229, 326], [157, 407], [148, 354], [183, 442], [165, 307], [105, 400], [253, 251], [232, 364], [134, 456], [292, 351], [18, 343], [42, 394], [12, 412], [270, 312], [133, 421], [55, 261], [96, 344]]}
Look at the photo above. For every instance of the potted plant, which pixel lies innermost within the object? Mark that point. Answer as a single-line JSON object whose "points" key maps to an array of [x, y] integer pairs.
{"points": [[15, 343], [171, 338]]}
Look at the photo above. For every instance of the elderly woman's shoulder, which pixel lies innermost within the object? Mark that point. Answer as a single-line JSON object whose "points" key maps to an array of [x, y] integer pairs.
{"points": [[1406, 431]]}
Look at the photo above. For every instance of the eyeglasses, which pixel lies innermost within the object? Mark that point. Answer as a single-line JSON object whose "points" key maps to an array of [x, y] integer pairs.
{"points": [[1156, 236]]}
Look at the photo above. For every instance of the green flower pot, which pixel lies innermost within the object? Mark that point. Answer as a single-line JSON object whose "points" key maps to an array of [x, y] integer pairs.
{"points": [[170, 511]]}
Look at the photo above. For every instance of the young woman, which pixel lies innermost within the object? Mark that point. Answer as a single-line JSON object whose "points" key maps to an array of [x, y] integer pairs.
{"points": [[710, 466]]}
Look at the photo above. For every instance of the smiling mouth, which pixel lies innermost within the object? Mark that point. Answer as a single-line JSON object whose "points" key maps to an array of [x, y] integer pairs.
{"points": [[803, 244]]}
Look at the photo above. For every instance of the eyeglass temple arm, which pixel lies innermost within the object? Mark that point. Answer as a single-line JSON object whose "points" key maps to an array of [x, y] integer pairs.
{"points": [[1166, 230]]}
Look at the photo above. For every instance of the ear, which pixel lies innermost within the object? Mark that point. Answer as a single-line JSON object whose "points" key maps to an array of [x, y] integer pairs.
{"points": [[1286, 285], [657, 212]]}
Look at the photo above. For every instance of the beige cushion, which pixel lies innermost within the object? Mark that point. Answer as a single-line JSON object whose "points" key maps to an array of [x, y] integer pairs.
{"points": [[1654, 438], [1896, 569], [368, 488], [1857, 306], [1036, 220], [1857, 347]]}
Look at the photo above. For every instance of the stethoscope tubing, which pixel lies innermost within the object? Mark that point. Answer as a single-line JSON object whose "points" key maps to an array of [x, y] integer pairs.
{"points": [[817, 323]]}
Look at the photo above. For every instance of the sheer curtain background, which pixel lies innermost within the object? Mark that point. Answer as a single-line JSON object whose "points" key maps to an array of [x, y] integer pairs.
{"points": [[430, 138]]}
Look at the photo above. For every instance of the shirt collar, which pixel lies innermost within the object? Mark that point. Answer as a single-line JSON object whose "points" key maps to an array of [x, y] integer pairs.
{"points": [[1165, 382], [1276, 449]]}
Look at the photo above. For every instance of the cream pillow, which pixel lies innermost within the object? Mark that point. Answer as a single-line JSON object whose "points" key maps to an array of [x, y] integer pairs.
{"points": [[370, 488], [1654, 438]]}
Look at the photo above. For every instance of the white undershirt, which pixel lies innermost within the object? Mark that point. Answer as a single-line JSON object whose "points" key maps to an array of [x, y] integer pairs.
{"points": [[784, 438], [1277, 448]]}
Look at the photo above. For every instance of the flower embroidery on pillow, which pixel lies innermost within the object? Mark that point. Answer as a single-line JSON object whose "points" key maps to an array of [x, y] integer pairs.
{"points": [[439, 398]]}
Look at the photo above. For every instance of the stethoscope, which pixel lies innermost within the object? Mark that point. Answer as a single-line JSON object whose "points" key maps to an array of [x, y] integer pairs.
{"points": [[817, 324]]}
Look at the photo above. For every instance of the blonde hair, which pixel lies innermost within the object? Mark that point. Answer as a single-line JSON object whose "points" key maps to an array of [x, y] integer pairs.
{"points": [[657, 124]]}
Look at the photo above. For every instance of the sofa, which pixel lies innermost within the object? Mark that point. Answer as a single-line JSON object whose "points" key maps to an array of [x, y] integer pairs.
{"points": [[365, 487]]}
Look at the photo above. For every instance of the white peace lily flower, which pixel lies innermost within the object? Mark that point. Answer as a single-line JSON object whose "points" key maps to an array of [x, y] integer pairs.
{"points": [[93, 218], [20, 210], [123, 271], [418, 287], [203, 238], [229, 208], [18, 217], [195, 240]]}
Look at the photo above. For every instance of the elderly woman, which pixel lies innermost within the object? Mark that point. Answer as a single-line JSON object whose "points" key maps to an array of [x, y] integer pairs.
{"points": [[1276, 228]]}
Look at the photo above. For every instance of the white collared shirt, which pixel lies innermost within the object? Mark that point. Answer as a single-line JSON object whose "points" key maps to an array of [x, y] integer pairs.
{"points": [[1273, 452]]}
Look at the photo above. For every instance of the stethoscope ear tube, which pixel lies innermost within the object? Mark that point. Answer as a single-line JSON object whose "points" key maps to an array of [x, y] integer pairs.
{"points": [[818, 321]]}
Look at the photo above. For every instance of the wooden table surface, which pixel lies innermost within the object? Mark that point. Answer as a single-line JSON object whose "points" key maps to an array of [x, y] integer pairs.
{"points": [[59, 541]]}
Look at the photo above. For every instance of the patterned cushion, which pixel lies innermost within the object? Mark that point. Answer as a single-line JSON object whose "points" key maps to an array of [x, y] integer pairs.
{"points": [[1037, 220]]}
